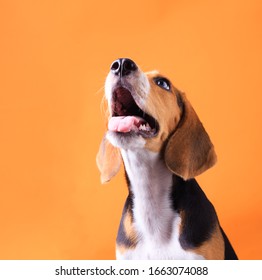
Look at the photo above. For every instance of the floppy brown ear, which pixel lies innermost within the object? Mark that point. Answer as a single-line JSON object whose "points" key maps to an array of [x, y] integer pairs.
{"points": [[108, 160], [189, 151]]}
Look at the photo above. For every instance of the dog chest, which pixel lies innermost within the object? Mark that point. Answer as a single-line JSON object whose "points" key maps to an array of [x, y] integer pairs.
{"points": [[156, 247]]}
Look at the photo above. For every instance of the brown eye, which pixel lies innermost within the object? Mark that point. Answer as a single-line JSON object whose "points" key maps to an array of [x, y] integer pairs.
{"points": [[163, 83]]}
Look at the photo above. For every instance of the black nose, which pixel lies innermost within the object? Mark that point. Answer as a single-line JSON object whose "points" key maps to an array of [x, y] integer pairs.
{"points": [[123, 67]]}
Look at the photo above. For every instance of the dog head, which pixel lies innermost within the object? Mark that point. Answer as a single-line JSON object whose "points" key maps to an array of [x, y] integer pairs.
{"points": [[147, 112]]}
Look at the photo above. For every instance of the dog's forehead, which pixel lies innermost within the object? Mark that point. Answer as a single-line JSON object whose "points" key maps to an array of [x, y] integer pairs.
{"points": [[152, 73], [155, 74]]}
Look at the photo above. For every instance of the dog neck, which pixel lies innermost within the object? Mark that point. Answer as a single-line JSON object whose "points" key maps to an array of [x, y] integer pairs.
{"points": [[150, 183]]}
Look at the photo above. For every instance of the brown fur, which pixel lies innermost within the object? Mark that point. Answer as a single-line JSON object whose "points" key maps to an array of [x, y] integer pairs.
{"points": [[130, 234], [108, 160], [213, 248], [189, 151], [129, 229], [122, 248], [163, 106]]}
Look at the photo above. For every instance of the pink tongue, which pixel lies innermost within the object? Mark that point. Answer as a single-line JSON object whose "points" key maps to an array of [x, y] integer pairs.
{"points": [[124, 124]]}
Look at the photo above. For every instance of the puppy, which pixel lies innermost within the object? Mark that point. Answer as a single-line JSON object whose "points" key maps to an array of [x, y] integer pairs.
{"points": [[153, 128]]}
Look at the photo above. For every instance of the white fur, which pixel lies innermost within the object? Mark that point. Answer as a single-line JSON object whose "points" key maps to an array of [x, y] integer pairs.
{"points": [[131, 141], [156, 223]]}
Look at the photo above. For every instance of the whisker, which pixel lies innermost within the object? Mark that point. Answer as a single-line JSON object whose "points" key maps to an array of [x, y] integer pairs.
{"points": [[100, 90], [103, 105]]}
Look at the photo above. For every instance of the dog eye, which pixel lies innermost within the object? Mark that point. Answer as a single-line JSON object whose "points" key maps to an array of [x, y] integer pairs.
{"points": [[163, 83]]}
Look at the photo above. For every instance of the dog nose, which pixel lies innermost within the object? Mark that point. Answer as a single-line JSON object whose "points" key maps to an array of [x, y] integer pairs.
{"points": [[123, 67]]}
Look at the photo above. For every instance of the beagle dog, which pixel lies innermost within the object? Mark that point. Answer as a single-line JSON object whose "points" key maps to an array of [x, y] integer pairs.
{"points": [[153, 128]]}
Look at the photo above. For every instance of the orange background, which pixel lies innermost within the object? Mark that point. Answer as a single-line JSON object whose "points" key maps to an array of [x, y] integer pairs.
{"points": [[54, 57]]}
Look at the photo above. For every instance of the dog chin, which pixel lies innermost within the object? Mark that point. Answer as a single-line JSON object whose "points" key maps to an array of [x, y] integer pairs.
{"points": [[125, 141]]}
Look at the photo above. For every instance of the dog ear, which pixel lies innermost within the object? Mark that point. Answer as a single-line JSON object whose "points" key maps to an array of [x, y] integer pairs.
{"points": [[189, 151], [108, 160]]}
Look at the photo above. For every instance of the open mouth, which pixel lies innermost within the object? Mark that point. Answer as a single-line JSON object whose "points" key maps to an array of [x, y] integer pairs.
{"points": [[128, 117]]}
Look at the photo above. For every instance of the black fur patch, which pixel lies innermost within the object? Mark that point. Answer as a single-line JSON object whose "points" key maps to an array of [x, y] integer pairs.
{"points": [[229, 251], [122, 239], [199, 216]]}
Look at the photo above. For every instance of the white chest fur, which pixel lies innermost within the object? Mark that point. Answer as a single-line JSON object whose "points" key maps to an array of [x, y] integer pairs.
{"points": [[156, 223]]}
